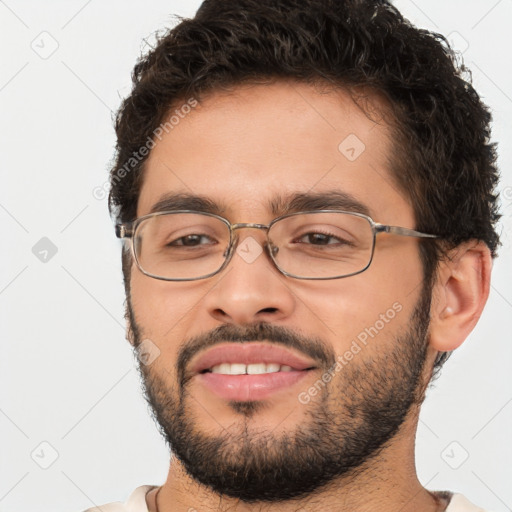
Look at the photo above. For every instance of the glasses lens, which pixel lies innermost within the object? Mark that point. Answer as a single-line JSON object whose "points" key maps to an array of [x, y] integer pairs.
{"points": [[322, 245], [181, 245]]}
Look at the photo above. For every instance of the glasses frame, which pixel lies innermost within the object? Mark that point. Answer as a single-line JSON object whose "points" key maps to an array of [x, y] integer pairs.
{"points": [[128, 230]]}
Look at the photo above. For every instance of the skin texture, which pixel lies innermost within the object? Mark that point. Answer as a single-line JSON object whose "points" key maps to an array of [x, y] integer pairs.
{"points": [[242, 149]]}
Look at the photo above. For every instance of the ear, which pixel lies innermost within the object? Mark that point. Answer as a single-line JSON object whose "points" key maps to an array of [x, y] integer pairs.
{"points": [[459, 294]]}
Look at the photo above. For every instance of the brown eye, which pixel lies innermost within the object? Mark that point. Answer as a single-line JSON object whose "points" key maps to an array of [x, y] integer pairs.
{"points": [[189, 240]]}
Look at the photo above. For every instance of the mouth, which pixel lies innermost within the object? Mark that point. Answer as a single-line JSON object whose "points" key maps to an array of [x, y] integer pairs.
{"points": [[250, 371]]}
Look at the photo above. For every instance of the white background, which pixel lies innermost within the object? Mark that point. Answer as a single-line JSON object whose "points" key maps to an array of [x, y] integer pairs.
{"points": [[68, 376]]}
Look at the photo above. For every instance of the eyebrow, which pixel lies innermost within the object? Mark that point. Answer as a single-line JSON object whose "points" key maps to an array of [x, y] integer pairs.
{"points": [[312, 201], [278, 205]]}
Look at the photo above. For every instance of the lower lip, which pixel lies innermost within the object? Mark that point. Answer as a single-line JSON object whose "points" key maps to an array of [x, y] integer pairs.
{"points": [[250, 387]]}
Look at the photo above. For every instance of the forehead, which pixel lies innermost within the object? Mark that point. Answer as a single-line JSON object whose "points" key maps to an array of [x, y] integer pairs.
{"points": [[254, 147]]}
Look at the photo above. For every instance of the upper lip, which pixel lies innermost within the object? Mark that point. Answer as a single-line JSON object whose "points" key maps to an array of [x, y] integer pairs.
{"points": [[249, 353]]}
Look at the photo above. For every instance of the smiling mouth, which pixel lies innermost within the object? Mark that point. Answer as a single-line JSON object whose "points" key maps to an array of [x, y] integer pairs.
{"points": [[242, 385], [250, 369]]}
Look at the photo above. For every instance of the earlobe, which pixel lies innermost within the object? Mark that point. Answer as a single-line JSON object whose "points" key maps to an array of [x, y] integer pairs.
{"points": [[459, 295]]}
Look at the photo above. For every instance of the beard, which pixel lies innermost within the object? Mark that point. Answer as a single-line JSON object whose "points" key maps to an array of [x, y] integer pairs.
{"points": [[352, 419]]}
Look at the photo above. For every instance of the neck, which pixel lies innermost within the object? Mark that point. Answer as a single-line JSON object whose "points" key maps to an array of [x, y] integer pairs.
{"points": [[386, 483]]}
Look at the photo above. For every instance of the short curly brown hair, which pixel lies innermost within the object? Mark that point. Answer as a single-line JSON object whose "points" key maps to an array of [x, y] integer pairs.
{"points": [[443, 160]]}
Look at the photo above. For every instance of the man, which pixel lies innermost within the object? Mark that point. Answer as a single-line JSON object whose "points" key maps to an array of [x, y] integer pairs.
{"points": [[306, 194]]}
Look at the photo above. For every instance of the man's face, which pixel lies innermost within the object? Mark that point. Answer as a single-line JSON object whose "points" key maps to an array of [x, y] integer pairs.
{"points": [[242, 151]]}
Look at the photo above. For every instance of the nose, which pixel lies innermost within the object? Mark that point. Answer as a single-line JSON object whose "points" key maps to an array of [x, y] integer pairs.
{"points": [[250, 289]]}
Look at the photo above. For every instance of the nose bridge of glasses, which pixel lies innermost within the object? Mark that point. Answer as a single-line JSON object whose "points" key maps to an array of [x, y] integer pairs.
{"points": [[250, 225], [247, 225]]}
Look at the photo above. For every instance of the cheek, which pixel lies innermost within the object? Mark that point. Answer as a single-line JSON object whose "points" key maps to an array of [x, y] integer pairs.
{"points": [[375, 303], [163, 311], [341, 314], [159, 304]]}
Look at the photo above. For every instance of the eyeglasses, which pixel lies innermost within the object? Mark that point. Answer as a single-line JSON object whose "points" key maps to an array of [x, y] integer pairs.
{"points": [[188, 245]]}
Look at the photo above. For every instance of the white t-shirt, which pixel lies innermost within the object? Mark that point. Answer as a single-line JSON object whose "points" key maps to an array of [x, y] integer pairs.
{"points": [[137, 503]]}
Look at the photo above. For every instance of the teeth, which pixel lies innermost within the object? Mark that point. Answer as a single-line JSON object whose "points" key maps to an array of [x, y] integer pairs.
{"points": [[235, 369], [250, 369], [256, 368]]}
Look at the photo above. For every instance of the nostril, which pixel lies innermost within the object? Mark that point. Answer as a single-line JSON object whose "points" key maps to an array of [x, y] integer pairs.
{"points": [[268, 310]]}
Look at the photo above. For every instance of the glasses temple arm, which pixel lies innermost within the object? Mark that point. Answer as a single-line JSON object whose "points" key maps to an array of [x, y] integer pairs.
{"points": [[124, 230], [397, 230]]}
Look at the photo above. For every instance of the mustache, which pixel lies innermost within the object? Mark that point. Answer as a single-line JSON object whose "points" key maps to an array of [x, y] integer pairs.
{"points": [[314, 347]]}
